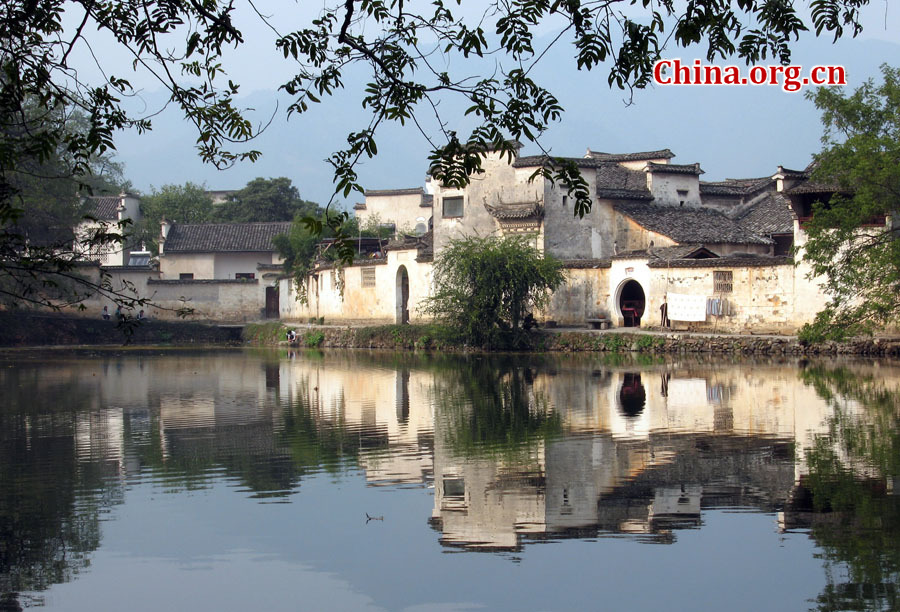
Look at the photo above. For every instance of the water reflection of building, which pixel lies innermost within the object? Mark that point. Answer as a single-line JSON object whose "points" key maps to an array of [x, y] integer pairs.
{"points": [[637, 450], [646, 451]]}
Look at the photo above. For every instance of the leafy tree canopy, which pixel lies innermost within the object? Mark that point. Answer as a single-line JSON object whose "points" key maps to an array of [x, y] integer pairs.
{"points": [[274, 199], [48, 201], [486, 287], [854, 236], [43, 203], [188, 203]]}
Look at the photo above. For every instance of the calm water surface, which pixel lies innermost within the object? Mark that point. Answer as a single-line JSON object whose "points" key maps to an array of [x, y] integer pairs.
{"points": [[233, 480]]}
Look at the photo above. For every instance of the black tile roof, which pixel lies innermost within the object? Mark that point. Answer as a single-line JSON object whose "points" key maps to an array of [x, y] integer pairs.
{"points": [[585, 263], [811, 187], [795, 174], [674, 168], [689, 224], [515, 210], [393, 192], [671, 253], [771, 215], [224, 237], [721, 189], [104, 208], [624, 157], [534, 161], [735, 187], [746, 261]]}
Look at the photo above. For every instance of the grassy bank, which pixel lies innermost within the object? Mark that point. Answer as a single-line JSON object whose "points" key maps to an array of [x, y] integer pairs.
{"points": [[437, 338], [19, 329]]}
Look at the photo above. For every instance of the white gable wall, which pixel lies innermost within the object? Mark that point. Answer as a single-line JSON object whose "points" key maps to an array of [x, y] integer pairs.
{"points": [[229, 264], [665, 187]]}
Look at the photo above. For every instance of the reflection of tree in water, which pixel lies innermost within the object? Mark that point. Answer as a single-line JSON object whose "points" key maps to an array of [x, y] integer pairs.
{"points": [[267, 454], [488, 404], [49, 504], [316, 443], [854, 509], [26, 389]]}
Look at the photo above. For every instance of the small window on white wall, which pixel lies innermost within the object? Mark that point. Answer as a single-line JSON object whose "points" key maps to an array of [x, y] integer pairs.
{"points": [[453, 207], [368, 276], [722, 281]]}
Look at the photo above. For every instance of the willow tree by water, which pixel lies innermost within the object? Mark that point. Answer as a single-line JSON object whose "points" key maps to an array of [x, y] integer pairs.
{"points": [[487, 287]]}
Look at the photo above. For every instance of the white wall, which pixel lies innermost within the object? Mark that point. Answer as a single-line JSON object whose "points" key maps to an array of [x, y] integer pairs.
{"points": [[664, 186], [376, 304], [201, 265], [229, 264], [403, 210]]}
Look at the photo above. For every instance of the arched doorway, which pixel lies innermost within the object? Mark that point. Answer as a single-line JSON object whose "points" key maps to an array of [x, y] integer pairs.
{"points": [[631, 303], [402, 295]]}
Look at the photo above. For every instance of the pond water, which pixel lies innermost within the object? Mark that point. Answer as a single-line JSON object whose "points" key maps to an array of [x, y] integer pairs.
{"points": [[237, 480]]}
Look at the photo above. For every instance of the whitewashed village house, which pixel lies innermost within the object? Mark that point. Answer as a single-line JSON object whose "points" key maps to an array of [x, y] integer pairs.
{"points": [[407, 210], [106, 213], [224, 271], [718, 255], [220, 272]]}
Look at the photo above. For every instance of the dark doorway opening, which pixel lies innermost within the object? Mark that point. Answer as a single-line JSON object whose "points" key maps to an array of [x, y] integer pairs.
{"points": [[271, 302], [402, 296], [631, 303]]}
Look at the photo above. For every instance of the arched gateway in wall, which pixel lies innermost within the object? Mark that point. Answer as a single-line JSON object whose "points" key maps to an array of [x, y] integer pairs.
{"points": [[402, 295], [631, 303]]}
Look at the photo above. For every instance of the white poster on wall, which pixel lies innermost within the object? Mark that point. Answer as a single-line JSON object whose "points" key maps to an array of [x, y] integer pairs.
{"points": [[684, 307]]}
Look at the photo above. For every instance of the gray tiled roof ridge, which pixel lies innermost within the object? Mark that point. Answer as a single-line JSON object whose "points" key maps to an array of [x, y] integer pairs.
{"points": [[105, 208], [397, 191], [224, 237], [534, 161], [592, 159], [635, 156], [770, 215], [735, 186], [697, 225], [675, 168]]}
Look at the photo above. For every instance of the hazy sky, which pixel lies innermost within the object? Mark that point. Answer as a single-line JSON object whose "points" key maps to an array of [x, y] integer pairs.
{"points": [[732, 131]]}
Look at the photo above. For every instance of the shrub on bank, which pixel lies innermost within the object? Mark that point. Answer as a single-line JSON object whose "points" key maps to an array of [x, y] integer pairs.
{"points": [[270, 332]]}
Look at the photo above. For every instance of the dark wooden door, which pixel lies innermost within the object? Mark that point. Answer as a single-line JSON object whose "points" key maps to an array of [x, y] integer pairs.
{"points": [[271, 302]]}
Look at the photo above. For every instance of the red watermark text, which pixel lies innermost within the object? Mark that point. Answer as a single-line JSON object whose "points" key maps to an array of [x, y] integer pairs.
{"points": [[789, 78]]}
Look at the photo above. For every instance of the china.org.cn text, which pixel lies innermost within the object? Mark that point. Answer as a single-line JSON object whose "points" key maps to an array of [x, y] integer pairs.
{"points": [[789, 78]]}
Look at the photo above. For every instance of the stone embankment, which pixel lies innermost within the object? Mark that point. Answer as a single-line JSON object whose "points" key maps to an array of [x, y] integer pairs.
{"points": [[732, 344], [412, 337], [27, 329]]}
